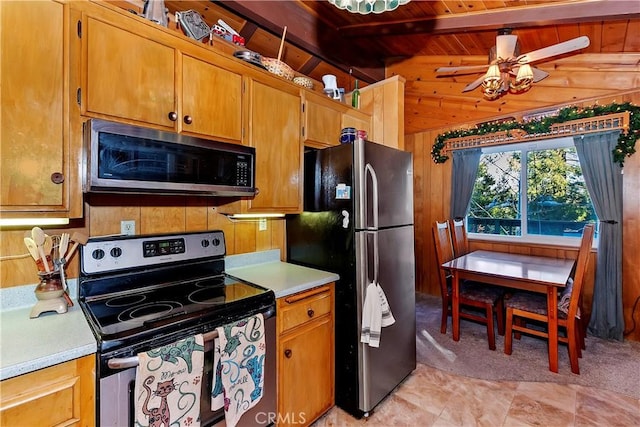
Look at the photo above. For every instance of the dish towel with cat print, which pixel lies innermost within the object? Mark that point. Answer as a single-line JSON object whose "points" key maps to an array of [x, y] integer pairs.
{"points": [[168, 384], [376, 314], [238, 376]]}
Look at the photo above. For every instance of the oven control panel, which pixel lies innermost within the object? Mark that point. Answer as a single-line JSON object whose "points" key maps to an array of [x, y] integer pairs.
{"points": [[106, 254]]}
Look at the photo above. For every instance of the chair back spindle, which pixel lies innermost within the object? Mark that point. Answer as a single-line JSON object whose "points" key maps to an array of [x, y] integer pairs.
{"points": [[459, 237], [582, 262], [444, 251]]}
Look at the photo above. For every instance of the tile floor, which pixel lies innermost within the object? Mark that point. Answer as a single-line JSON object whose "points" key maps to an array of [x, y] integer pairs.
{"points": [[430, 397]]}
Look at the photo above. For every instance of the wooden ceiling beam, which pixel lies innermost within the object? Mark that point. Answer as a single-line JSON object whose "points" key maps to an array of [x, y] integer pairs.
{"points": [[308, 33], [494, 19]]}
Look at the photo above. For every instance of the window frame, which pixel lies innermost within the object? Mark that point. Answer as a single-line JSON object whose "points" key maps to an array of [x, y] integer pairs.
{"points": [[525, 237]]}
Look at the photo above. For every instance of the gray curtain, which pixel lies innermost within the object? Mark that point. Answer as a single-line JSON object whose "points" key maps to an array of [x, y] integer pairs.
{"points": [[465, 170], [603, 178]]}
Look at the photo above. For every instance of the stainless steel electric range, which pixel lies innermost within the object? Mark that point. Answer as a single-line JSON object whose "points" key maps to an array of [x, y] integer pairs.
{"points": [[142, 292]]}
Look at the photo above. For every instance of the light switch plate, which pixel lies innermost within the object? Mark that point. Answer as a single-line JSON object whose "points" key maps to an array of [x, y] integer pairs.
{"points": [[262, 224]]}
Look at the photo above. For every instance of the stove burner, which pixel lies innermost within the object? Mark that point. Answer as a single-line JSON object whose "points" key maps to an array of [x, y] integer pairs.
{"points": [[125, 300], [148, 310], [208, 296], [205, 283]]}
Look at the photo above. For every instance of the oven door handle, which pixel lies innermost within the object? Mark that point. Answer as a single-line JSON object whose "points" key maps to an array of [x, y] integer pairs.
{"points": [[133, 361]]}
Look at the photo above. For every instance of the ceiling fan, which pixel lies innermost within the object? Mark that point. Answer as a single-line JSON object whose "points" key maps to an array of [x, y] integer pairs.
{"points": [[508, 70]]}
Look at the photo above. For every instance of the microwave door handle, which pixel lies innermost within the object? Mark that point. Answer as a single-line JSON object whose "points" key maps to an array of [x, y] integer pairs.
{"points": [[133, 361]]}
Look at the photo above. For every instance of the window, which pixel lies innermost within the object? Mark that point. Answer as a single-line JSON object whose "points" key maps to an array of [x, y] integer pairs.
{"points": [[557, 202]]}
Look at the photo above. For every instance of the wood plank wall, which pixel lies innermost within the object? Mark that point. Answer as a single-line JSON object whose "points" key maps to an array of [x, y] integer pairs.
{"points": [[432, 195], [103, 214]]}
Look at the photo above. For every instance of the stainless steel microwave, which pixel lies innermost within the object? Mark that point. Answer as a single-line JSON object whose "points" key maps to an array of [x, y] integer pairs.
{"points": [[121, 158]]}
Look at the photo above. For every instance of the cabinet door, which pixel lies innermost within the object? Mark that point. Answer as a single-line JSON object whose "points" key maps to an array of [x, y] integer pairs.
{"points": [[61, 395], [33, 138], [211, 100], [275, 133], [128, 76], [322, 121], [305, 387], [358, 120]]}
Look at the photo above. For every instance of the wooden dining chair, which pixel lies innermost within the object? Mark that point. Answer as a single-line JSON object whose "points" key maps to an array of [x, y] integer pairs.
{"points": [[474, 297], [459, 237], [525, 308]]}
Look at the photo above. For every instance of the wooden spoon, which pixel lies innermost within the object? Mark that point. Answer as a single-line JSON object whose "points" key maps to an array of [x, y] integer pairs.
{"points": [[33, 249], [38, 237], [48, 245]]}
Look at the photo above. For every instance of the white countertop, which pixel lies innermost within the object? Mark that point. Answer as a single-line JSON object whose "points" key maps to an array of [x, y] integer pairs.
{"points": [[31, 344], [52, 338], [283, 278]]}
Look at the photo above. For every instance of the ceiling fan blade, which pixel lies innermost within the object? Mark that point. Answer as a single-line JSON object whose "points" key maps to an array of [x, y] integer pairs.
{"points": [[474, 84], [553, 50], [506, 46], [466, 69], [538, 74]]}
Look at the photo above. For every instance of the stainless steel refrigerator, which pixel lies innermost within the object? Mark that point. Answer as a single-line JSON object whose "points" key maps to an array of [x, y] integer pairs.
{"points": [[358, 223]]}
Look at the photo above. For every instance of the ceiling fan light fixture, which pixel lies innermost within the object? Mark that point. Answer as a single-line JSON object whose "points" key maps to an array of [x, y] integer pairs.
{"points": [[524, 79], [365, 7], [492, 82]]}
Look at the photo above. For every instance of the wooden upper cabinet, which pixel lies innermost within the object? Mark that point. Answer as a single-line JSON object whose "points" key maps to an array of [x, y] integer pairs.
{"points": [[36, 162], [322, 120], [384, 100], [357, 119], [211, 100], [128, 76], [138, 77], [274, 131]]}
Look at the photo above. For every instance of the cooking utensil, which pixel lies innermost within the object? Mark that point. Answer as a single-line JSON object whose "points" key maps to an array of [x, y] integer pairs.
{"points": [[64, 245], [78, 239], [38, 237], [62, 250], [32, 247], [48, 245]]}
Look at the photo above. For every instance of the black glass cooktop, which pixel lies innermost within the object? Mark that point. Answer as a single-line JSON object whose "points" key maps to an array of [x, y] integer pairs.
{"points": [[154, 307]]}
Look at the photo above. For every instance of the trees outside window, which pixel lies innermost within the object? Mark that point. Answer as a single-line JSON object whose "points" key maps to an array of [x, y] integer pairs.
{"points": [[541, 182]]}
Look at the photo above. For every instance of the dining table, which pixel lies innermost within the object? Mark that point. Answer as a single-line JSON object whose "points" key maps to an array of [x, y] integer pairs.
{"points": [[515, 271]]}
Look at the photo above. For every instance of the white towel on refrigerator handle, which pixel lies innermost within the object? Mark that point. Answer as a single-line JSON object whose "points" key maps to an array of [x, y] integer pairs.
{"points": [[376, 314], [387, 315]]}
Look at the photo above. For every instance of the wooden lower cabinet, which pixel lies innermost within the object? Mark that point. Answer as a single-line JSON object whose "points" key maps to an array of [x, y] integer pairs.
{"points": [[305, 356], [61, 395]]}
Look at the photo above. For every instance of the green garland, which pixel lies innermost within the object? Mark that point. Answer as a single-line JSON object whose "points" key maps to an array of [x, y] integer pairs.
{"points": [[624, 148]]}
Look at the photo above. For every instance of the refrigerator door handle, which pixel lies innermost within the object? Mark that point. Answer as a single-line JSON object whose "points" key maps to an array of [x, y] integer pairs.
{"points": [[368, 170]]}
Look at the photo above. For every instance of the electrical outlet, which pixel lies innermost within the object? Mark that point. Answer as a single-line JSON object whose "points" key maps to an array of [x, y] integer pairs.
{"points": [[128, 228], [262, 224]]}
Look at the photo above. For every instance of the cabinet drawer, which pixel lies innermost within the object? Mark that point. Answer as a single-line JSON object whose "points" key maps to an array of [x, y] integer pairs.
{"points": [[298, 309]]}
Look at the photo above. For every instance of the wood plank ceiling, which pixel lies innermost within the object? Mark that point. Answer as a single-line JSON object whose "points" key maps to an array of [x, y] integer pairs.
{"points": [[418, 37]]}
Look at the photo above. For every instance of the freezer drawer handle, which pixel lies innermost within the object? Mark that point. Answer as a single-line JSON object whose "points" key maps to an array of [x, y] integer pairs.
{"points": [[133, 361]]}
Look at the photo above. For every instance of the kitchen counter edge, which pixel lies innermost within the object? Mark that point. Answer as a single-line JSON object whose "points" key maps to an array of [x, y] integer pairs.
{"points": [[32, 344], [283, 278]]}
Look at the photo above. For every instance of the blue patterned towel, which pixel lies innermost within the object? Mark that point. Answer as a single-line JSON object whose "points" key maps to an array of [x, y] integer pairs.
{"points": [[238, 377], [168, 383]]}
